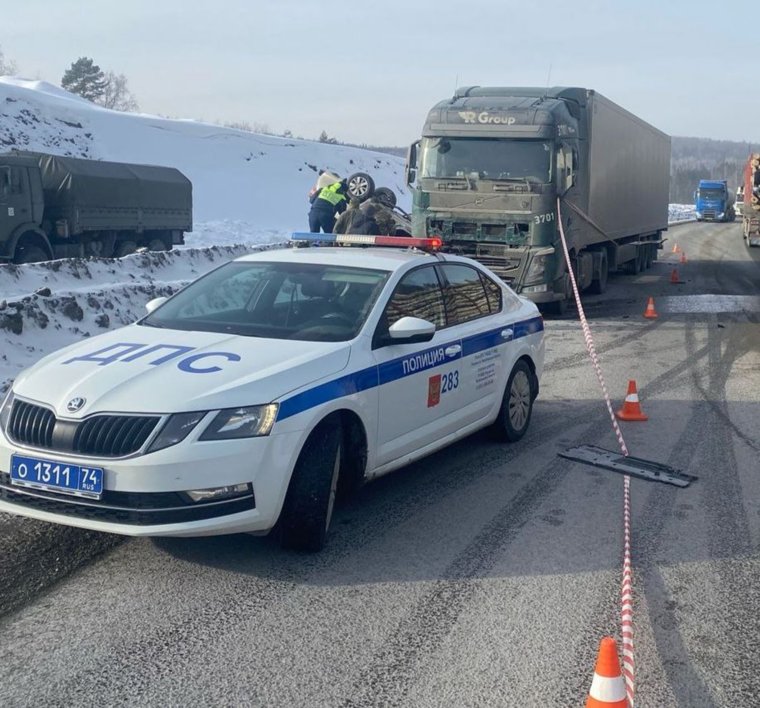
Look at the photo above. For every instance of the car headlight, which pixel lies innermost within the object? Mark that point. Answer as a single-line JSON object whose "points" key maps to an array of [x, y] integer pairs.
{"points": [[176, 429], [5, 410], [245, 422]]}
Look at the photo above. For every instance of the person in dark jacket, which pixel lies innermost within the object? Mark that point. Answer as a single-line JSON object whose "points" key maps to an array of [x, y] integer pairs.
{"points": [[357, 219], [326, 204]]}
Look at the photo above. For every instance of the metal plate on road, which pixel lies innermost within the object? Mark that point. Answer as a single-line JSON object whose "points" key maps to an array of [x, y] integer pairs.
{"points": [[633, 466], [53, 476]]}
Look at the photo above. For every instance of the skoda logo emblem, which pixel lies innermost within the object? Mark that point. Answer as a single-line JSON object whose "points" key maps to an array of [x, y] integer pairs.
{"points": [[75, 404]]}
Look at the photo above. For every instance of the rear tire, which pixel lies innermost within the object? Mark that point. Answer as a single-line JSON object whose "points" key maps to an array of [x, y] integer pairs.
{"points": [[157, 244], [385, 196], [124, 248], [307, 511], [517, 404]]}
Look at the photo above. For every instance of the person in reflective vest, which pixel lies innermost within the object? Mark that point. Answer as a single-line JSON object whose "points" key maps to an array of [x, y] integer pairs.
{"points": [[326, 204]]}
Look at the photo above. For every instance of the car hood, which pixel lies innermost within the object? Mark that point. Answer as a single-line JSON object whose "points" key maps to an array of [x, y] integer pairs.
{"points": [[140, 369]]}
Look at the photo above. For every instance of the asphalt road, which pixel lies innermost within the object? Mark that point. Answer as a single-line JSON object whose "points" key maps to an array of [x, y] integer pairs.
{"points": [[484, 575]]}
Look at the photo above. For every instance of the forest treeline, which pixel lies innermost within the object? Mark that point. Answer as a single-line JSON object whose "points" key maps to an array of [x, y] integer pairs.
{"points": [[693, 159]]}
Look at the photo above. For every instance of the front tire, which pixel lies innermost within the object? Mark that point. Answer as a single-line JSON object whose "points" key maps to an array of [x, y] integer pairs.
{"points": [[308, 508], [517, 404], [30, 254]]}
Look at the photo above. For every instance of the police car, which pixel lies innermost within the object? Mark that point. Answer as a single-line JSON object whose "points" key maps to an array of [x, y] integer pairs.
{"points": [[248, 399]]}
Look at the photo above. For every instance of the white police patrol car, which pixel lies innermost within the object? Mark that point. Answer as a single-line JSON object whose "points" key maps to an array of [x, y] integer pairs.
{"points": [[249, 397]]}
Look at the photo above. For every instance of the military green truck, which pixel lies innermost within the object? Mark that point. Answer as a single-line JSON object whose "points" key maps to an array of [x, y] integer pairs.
{"points": [[62, 207], [492, 162]]}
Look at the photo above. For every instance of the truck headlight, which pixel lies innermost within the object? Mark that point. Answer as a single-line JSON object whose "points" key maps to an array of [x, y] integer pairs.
{"points": [[176, 429], [721, 215], [5, 410], [537, 268], [245, 422]]}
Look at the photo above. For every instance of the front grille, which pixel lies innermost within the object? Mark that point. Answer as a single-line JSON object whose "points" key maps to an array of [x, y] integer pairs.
{"points": [[99, 435], [709, 214], [143, 509]]}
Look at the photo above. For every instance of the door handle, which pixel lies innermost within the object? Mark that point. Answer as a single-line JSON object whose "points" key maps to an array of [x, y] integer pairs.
{"points": [[453, 350], [507, 334]]}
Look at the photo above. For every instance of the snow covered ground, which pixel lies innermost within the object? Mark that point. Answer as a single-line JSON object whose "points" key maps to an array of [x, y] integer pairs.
{"points": [[249, 192]]}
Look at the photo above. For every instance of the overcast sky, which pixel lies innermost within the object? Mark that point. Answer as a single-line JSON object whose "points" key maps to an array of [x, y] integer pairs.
{"points": [[367, 72]]}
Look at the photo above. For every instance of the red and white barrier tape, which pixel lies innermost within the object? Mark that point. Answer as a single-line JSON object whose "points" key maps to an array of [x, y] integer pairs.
{"points": [[626, 615]]}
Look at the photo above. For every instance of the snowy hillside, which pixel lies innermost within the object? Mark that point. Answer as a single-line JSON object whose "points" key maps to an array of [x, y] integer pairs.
{"points": [[251, 188]]}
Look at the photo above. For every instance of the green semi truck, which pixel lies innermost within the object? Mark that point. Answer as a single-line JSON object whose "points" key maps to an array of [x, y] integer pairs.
{"points": [[62, 207], [492, 164]]}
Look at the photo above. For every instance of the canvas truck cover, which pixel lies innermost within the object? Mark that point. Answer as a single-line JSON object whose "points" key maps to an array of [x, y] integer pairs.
{"points": [[78, 189]]}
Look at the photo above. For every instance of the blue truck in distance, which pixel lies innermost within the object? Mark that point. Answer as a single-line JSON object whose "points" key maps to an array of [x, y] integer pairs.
{"points": [[714, 201]]}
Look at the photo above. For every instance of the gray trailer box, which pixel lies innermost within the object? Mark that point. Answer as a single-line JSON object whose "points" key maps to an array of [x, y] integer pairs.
{"points": [[628, 176], [93, 195]]}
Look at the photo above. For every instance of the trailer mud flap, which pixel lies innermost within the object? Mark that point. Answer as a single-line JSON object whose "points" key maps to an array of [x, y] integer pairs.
{"points": [[633, 466]]}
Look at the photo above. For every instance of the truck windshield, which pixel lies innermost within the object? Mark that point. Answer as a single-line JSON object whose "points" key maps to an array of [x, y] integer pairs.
{"points": [[712, 193], [486, 158]]}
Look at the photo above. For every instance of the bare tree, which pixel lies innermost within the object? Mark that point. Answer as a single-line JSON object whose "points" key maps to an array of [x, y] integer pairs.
{"points": [[7, 66], [117, 94]]}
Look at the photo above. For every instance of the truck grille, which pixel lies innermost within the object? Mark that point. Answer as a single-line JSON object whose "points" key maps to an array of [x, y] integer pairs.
{"points": [[98, 436], [709, 214]]}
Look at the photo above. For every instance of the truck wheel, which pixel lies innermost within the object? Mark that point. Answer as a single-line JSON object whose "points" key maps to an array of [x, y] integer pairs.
{"points": [[157, 244], [124, 248], [30, 254], [308, 507], [517, 404], [385, 196], [361, 186]]}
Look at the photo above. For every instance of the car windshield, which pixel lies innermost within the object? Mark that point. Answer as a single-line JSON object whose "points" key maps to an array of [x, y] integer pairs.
{"points": [[275, 300], [486, 158]]}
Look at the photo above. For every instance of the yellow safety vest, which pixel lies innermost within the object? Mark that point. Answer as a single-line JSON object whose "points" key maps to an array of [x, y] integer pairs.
{"points": [[331, 195]]}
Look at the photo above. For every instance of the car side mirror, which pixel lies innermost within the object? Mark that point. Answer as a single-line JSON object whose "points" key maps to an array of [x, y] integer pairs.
{"points": [[154, 303], [410, 330]]}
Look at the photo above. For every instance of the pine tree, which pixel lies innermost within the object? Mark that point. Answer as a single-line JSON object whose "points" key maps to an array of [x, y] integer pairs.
{"points": [[85, 78]]}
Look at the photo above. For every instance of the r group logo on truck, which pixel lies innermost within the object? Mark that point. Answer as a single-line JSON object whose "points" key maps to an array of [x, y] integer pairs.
{"points": [[485, 118]]}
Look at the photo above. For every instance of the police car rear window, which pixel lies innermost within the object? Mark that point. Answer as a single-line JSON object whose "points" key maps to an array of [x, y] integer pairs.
{"points": [[274, 300]]}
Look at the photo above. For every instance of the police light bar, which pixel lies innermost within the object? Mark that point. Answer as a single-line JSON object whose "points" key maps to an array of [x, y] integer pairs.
{"points": [[427, 244]]}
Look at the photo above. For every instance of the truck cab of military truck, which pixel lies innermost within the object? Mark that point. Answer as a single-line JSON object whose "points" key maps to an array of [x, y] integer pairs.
{"points": [[21, 209]]}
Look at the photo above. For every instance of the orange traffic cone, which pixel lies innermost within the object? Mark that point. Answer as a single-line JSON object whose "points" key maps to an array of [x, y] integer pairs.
{"points": [[650, 313], [683, 256], [631, 409], [676, 249], [607, 687], [674, 279]]}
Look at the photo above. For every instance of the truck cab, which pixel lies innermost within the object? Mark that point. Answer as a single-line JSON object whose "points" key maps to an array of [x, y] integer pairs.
{"points": [[21, 209], [713, 201]]}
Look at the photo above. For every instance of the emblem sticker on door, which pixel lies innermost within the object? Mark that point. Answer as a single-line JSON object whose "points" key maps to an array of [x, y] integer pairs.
{"points": [[434, 390]]}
